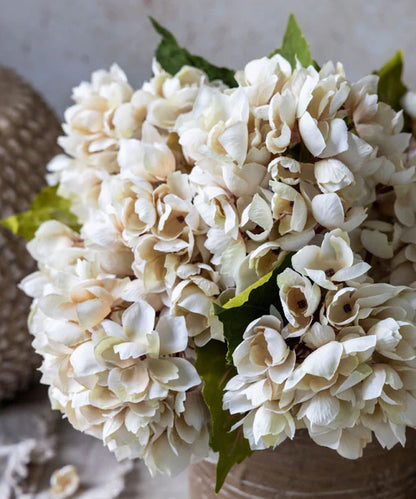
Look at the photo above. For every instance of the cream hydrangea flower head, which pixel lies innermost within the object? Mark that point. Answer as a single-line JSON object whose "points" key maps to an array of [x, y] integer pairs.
{"points": [[101, 115], [333, 262], [197, 196], [322, 174], [263, 361], [123, 374], [352, 348], [216, 125], [300, 299]]}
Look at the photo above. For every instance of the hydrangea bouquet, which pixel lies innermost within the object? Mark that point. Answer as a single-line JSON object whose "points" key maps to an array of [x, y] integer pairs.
{"points": [[226, 258]]}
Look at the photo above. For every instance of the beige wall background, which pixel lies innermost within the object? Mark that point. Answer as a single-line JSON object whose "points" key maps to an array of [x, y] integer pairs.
{"points": [[57, 43]]}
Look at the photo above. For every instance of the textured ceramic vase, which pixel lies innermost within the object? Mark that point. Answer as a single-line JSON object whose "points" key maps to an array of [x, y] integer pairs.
{"points": [[300, 469], [28, 132]]}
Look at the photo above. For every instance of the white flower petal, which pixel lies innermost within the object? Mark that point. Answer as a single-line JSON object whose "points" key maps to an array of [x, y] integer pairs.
{"points": [[324, 361], [234, 140], [311, 134], [321, 410], [328, 211], [138, 320], [84, 361], [173, 334]]}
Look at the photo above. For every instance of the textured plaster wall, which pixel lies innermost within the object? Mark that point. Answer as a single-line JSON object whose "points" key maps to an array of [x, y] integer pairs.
{"points": [[57, 43]]}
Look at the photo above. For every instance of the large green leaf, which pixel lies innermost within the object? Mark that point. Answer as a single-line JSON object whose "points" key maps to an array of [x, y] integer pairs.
{"points": [[295, 45], [172, 57], [247, 306], [390, 86], [215, 366], [47, 205], [231, 445]]}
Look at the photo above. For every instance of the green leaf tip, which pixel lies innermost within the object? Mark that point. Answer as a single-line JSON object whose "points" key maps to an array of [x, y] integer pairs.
{"points": [[390, 86], [47, 205], [244, 296], [172, 57], [295, 45], [165, 33], [231, 445]]}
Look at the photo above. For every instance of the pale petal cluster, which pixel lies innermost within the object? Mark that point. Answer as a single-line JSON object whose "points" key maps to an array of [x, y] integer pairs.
{"points": [[116, 366], [187, 192], [264, 362], [287, 154], [114, 306], [343, 367]]}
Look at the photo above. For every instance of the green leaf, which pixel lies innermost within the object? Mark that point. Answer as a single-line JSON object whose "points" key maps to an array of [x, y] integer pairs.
{"points": [[235, 323], [295, 45], [215, 366], [172, 57], [231, 445], [247, 306], [47, 205], [244, 296], [215, 373], [390, 86]]}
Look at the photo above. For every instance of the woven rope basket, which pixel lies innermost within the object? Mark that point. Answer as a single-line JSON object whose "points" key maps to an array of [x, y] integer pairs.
{"points": [[28, 132]]}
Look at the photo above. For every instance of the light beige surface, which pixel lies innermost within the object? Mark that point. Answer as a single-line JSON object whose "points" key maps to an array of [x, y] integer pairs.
{"points": [[57, 43]]}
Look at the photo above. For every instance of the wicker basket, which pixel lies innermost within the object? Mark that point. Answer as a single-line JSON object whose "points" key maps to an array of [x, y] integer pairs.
{"points": [[28, 132], [300, 468]]}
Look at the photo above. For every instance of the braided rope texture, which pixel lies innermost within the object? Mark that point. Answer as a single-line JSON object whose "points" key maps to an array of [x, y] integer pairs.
{"points": [[28, 133]]}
